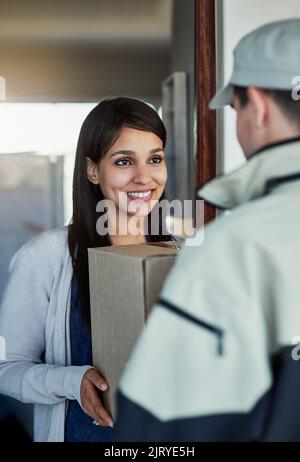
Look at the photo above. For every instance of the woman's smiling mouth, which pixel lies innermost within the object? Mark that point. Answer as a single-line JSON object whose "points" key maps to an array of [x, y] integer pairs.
{"points": [[140, 195]]}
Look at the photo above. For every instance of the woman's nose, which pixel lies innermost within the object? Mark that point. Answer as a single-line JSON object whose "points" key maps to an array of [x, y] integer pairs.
{"points": [[141, 175]]}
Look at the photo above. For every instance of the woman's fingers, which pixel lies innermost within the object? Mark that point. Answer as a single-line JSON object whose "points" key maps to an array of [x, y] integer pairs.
{"points": [[97, 379], [100, 413], [91, 403]]}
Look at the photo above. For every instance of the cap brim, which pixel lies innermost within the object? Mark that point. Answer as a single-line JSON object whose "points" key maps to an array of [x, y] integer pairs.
{"points": [[222, 98]]}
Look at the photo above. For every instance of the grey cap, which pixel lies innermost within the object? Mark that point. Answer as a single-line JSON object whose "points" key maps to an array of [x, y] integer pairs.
{"points": [[268, 57]]}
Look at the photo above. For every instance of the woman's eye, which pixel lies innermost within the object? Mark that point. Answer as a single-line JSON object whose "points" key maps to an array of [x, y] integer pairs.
{"points": [[156, 160], [122, 162]]}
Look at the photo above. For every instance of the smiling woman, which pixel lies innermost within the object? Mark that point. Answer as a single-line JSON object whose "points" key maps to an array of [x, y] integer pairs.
{"points": [[45, 312], [133, 170], [119, 158]]}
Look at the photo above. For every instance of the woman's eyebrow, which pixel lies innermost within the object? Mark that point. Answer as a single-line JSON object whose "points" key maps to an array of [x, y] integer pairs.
{"points": [[125, 152], [128, 152]]}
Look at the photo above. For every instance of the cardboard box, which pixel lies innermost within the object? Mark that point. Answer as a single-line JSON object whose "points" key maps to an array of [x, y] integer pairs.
{"points": [[125, 282]]}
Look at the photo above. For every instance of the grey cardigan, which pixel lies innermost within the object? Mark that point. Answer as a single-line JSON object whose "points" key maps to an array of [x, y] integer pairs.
{"points": [[34, 321]]}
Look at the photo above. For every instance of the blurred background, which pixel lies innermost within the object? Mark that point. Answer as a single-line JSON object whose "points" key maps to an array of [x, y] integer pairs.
{"points": [[58, 59]]}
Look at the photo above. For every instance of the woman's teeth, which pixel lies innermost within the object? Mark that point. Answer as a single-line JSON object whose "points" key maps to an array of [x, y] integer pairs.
{"points": [[140, 195]]}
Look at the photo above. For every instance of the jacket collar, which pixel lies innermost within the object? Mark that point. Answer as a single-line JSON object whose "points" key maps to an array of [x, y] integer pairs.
{"points": [[267, 168]]}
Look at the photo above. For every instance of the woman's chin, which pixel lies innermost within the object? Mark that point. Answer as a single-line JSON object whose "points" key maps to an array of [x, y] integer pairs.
{"points": [[139, 209], [139, 213]]}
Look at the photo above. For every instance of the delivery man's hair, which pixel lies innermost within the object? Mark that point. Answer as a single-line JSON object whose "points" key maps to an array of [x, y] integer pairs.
{"points": [[99, 131], [289, 107]]}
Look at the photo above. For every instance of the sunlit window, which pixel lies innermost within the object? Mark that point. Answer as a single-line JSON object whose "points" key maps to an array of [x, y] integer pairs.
{"points": [[44, 129]]}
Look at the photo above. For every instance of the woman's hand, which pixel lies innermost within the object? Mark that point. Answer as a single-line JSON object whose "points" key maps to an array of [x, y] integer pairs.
{"points": [[92, 382]]}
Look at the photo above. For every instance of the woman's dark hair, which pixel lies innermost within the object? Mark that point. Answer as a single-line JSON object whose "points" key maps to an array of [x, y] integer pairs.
{"points": [[99, 131]]}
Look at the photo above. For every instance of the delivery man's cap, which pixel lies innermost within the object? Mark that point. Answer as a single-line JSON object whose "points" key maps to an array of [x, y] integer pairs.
{"points": [[268, 57]]}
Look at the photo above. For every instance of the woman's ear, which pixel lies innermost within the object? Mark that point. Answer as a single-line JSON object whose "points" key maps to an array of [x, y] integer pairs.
{"points": [[92, 171]]}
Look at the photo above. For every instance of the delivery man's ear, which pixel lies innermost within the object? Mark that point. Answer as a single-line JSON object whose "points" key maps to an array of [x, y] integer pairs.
{"points": [[92, 171], [259, 104]]}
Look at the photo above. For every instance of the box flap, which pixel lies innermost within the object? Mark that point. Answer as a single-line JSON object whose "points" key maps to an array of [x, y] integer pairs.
{"points": [[140, 250]]}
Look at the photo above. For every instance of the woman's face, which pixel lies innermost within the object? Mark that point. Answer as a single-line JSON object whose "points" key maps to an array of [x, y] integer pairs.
{"points": [[133, 172]]}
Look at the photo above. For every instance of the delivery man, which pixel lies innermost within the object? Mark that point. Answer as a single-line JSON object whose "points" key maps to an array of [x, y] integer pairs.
{"points": [[216, 361]]}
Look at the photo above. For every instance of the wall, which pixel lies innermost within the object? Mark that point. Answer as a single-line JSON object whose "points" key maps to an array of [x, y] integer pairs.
{"points": [[74, 51], [183, 60], [235, 18]]}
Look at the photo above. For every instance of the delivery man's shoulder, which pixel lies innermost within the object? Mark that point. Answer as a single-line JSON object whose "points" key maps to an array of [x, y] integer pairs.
{"points": [[255, 222], [231, 239]]}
